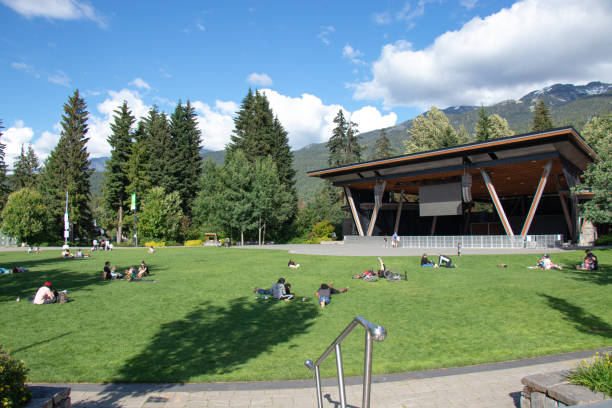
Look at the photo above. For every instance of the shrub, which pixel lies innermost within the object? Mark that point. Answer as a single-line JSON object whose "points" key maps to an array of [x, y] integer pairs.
{"points": [[604, 240], [596, 376], [193, 242], [155, 244], [13, 392]]}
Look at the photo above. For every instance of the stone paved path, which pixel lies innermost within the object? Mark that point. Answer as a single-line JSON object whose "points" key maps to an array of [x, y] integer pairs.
{"points": [[486, 386]]}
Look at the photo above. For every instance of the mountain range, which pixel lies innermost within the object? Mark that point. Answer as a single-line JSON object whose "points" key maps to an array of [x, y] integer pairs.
{"points": [[569, 105]]}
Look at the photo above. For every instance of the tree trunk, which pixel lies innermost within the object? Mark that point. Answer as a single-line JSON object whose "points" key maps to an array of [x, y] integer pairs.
{"points": [[241, 237], [264, 234], [120, 224], [259, 231]]}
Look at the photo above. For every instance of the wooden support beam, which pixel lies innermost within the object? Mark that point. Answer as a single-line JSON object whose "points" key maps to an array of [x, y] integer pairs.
{"points": [[536, 198], [566, 213], [433, 225], [379, 190], [398, 214], [496, 202], [354, 211]]}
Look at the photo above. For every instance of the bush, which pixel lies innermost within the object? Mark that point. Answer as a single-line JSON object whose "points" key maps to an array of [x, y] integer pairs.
{"points": [[604, 240], [155, 244], [13, 392], [193, 242], [596, 376]]}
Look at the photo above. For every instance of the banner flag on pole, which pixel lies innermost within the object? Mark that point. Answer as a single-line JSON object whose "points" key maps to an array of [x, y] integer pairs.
{"points": [[133, 206]]}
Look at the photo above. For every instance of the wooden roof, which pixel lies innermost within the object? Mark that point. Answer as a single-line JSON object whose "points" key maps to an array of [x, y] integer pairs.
{"points": [[514, 164]]}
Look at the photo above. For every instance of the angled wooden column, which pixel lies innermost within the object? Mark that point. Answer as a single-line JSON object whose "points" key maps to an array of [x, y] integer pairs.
{"points": [[536, 198], [351, 202], [399, 212], [433, 225], [496, 202], [379, 190], [566, 213]]}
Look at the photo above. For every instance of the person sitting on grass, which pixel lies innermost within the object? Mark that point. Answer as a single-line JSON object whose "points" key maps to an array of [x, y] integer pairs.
{"points": [[589, 263], [292, 264], [66, 253], [427, 263], [143, 269], [546, 263], [45, 294], [325, 291], [279, 291], [133, 274], [151, 250]]}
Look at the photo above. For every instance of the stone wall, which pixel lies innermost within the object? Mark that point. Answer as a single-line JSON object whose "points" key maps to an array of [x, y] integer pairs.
{"points": [[49, 397], [552, 390]]}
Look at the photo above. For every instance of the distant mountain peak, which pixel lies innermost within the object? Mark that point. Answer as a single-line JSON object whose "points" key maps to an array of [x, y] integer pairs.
{"points": [[560, 94]]}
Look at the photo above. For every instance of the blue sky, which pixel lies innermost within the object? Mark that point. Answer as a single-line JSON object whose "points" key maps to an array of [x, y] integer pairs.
{"points": [[382, 62]]}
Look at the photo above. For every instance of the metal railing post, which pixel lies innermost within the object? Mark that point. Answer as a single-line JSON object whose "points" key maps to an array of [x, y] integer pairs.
{"points": [[319, 393], [367, 370], [340, 376]]}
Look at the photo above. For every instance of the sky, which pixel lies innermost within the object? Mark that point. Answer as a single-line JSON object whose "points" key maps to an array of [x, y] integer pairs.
{"points": [[382, 62]]}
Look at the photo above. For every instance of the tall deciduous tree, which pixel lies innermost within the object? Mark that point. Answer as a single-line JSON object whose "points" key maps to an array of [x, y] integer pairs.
{"points": [[541, 118], [25, 216], [431, 131], [382, 147], [68, 169], [4, 185], [598, 175], [343, 145], [115, 183], [25, 169], [160, 214], [187, 161]]}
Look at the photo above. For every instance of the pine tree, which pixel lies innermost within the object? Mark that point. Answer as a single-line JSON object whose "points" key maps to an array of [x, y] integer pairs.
{"points": [[158, 143], [500, 127], [4, 185], [541, 119], [382, 147], [431, 131], [343, 145], [25, 169], [187, 161], [491, 127], [115, 183], [138, 165], [67, 169]]}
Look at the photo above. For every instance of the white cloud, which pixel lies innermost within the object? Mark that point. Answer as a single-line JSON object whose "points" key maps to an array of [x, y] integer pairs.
{"points": [[308, 120], [56, 9], [200, 27], [164, 73], [215, 124], [47, 142], [226, 107], [13, 138], [469, 4], [22, 66], [325, 33], [503, 56], [140, 83], [406, 14], [352, 54], [259, 79], [59, 78]]}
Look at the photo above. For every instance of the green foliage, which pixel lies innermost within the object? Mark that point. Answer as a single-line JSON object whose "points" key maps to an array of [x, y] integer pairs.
{"points": [[25, 216], [157, 143], [25, 169], [596, 375], [604, 240], [236, 209], [186, 162], [382, 147], [321, 231], [598, 175], [491, 127], [138, 165], [541, 118], [4, 185], [208, 205], [343, 145], [431, 131], [160, 214], [67, 169], [13, 391]]}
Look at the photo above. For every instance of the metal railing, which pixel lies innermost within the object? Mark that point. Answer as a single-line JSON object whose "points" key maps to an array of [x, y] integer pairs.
{"points": [[377, 333], [467, 241]]}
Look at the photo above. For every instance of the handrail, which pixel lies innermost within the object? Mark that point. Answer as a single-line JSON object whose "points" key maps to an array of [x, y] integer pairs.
{"points": [[376, 333]]}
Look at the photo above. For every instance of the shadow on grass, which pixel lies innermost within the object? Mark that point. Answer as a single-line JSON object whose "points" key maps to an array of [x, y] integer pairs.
{"points": [[38, 343], [602, 276], [212, 339], [584, 321]]}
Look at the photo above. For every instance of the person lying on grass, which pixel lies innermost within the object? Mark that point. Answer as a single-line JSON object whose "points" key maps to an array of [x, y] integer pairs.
{"points": [[546, 263], [292, 264], [45, 294], [325, 291]]}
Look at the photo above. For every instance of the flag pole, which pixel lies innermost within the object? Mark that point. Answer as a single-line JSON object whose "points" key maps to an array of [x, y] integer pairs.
{"points": [[66, 223]]}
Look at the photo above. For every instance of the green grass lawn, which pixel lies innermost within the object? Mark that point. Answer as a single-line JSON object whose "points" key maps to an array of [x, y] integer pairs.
{"points": [[200, 321]]}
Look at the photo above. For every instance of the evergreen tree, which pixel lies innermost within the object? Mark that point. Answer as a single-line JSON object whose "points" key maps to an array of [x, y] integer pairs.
{"points": [[237, 198], [541, 119], [25, 169], [138, 165], [431, 131], [187, 161], [463, 136], [4, 185], [491, 127], [343, 145], [115, 183], [208, 205], [159, 146], [382, 147], [67, 169], [598, 175]]}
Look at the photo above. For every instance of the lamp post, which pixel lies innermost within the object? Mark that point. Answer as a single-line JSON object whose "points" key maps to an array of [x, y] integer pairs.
{"points": [[133, 208]]}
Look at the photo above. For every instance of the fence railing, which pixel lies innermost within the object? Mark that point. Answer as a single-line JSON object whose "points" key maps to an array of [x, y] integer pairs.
{"points": [[376, 333], [467, 241]]}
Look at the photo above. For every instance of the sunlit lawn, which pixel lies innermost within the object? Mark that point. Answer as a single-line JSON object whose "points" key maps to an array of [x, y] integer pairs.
{"points": [[200, 321]]}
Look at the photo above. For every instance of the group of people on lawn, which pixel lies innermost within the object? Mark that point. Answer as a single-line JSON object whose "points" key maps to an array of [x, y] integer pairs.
{"points": [[281, 290], [132, 273]]}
